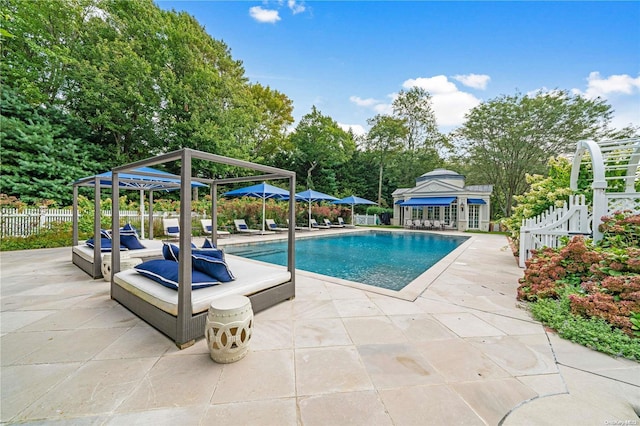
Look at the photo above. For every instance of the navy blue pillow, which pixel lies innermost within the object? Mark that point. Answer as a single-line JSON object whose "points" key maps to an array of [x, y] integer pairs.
{"points": [[170, 252], [105, 234], [208, 244], [131, 242], [105, 244], [128, 229], [212, 252], [213, 267], [165, 272]]}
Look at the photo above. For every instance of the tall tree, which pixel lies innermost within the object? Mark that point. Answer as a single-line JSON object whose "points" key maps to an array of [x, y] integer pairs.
{"points": [[273, 117], [384, 139], [320, 144], [415, 108], [510, 136], [42, 151]]}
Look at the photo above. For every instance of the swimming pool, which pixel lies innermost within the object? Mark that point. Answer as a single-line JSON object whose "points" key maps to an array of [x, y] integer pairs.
{"points": [[388, 260]]}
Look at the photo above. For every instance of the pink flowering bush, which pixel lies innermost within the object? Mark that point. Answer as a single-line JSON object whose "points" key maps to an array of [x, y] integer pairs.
{"points": [[600, 281]]}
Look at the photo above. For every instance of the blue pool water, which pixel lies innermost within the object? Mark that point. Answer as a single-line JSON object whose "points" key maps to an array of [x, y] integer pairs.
{"points": [[389, 260]]}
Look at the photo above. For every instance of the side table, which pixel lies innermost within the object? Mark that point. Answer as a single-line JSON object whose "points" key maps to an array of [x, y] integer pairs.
{"points": [[228, 328]]}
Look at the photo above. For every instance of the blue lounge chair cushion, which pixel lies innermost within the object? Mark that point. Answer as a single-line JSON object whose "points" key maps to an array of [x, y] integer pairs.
{"points": [[242, 226], [173, 229], [165, 272], [216, 268], [105, 244]]}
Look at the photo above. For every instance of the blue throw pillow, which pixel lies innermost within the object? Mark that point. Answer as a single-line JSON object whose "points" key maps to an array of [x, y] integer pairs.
{"points": [[215, 268], [211, 252], [208, 244], [105, 234], [128, 229], [131, 242], [105, 244], [170, 252], [166, 273]]}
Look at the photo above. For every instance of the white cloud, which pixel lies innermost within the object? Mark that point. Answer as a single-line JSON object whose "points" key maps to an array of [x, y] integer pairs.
{"points": [[369, 102], [357, 129], [296, 7], [621, 91], [439, 84], [475, 81], [621, 84], [264, 15], [449, 103]]}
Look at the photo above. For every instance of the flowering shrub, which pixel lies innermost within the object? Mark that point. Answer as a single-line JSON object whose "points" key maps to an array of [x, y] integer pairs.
{"points": [[598, 281]]}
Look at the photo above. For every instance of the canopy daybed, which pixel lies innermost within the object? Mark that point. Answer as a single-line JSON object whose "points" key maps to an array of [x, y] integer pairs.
{"points": [[181, 313], [139, 179]]}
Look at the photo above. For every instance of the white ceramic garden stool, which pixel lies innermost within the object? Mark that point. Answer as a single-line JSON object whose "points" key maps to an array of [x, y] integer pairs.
{"points": [[228, 328], [106, 264], [126, 262]]}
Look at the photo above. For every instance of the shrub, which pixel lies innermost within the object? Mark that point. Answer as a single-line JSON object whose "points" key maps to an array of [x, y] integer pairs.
{"points": [[595, 287]]}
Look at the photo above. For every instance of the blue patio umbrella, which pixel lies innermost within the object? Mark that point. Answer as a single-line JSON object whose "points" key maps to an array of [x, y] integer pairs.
{"points": [[310, 196], [353, 200], [262, 190]]}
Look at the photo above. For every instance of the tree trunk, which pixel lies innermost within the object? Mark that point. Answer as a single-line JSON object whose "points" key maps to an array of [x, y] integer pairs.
{"points": [[380, 185]]}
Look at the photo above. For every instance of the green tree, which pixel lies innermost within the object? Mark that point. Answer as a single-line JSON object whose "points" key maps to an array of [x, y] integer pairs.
{"points": [[510, 136], [384, 139], [320, 145], [273, 116], [42, 151]]}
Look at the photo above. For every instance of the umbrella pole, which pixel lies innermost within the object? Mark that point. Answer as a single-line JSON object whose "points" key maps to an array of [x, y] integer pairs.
{"points": [[263, 209], [141, 214], [309, 215], [352, 219]]}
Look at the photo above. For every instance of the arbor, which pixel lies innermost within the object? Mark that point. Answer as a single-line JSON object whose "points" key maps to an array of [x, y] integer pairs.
{"points": [[384, 139], [510, 136], [320, 145]]}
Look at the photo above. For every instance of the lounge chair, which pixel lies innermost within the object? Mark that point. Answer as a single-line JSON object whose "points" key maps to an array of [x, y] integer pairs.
{"points": [[341, 222], [171, 227], [272, 226], [331, 225], [206, 228], [241, 226], [298, 228], [315, 224]]}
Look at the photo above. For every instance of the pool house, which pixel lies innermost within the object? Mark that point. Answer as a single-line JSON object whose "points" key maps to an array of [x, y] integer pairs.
{"points": [[440, 197]]}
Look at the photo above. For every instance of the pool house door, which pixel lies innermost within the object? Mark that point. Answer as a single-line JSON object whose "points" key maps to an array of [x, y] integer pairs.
{"points": [[474, 216]]}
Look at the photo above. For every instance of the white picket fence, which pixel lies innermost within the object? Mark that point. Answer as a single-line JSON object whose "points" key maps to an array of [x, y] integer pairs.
{"points": [[26, 222], [546, 229], [366, 219]]}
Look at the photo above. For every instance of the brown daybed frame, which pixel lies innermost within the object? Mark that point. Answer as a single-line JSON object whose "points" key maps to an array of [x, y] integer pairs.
{"points": [[186, 326]]}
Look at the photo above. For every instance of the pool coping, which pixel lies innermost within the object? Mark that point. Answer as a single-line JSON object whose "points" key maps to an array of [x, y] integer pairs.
{"points": [[411, 291]]}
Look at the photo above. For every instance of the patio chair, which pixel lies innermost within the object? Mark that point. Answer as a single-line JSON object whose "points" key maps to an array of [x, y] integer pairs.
{"points": [[341, 222], [436, 225], [206, 228], [408, 223], [332, 225], [273, 226], [417, 223], [171, 227], [315, 224], [241, 226]]}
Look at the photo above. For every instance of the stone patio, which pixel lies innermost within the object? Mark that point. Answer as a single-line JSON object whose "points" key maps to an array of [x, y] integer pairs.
{"points": [[464, 352]]}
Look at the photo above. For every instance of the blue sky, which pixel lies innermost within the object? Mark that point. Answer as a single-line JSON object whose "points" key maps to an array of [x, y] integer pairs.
{"points": [[350, 58]]}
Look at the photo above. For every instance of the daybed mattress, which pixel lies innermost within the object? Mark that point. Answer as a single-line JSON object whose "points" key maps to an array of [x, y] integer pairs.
{"points": [[153, 248], [251, 277]]}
